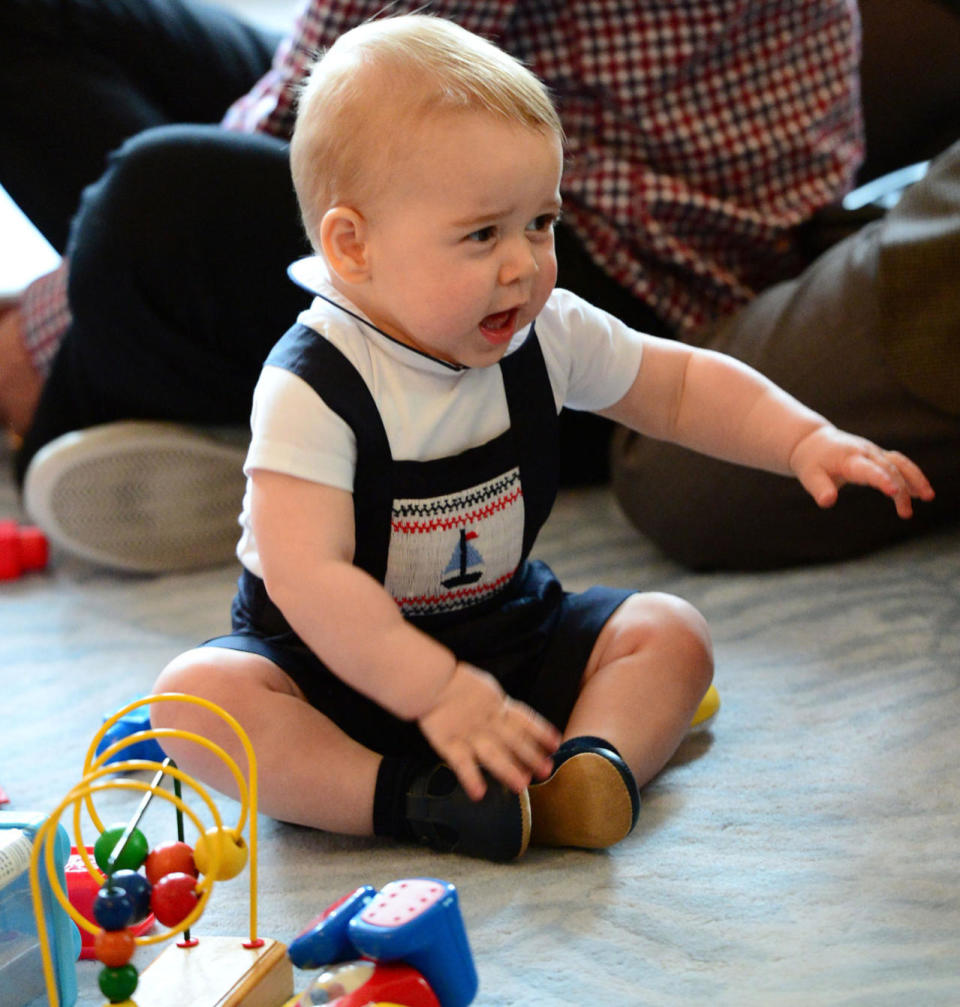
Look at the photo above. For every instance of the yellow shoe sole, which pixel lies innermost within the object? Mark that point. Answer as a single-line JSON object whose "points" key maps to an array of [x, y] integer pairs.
{"points": [[585, 803]]}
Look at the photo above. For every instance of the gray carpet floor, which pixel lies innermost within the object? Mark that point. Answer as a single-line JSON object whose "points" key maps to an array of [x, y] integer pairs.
{"points": [[804, 851]]}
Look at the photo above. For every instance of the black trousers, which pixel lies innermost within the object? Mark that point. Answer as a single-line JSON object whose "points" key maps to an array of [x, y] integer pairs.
{"points": [[79, 77]]}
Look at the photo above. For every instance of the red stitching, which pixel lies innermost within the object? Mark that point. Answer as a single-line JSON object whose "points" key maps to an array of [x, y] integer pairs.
{"points": [[445, 524]]}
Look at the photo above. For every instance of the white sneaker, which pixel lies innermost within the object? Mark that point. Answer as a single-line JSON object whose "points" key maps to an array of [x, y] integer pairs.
{"points": [[141, 496]]}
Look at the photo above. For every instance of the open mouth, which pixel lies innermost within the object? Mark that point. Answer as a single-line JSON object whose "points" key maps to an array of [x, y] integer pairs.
{"points": [[499, 327]]}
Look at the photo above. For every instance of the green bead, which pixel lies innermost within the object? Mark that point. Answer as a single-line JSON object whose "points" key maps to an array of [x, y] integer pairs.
{"points": [[134, 853], [118, 984]]}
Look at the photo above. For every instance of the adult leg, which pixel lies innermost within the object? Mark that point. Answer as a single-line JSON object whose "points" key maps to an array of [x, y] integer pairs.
{"points": [[874, 354], [78, 77], [177, 284]]}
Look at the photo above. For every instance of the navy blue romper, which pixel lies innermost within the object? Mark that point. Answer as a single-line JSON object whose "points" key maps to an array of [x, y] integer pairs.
{"points": [[519, 625]]}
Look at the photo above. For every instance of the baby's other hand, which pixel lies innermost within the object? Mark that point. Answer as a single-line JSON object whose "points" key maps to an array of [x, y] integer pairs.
{"points": [[828, 458], [475, 724]]}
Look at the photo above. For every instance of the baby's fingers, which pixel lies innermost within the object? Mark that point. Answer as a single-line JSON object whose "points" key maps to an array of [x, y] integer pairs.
{"points": [[867, 470], [518, 747], [917, 482], [462, 760]]}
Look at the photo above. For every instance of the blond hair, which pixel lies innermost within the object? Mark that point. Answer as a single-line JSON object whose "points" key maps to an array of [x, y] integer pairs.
{"points": [[364, 94]]}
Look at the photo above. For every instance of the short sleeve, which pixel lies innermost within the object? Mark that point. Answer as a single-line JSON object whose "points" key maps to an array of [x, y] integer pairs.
{"points": [[294, 432], [591, 356]]}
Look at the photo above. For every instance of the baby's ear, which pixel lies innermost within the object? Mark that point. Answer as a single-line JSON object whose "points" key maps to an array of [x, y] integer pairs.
{"points": [[343, 238]]}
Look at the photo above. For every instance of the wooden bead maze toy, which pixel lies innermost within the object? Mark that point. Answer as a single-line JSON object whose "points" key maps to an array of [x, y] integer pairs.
{"points": [[172, 880]]}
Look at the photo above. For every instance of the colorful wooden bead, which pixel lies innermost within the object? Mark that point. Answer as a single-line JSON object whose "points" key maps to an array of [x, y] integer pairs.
{"points": [[118, 984], [114, 948], [233, 853], [172, 857], [113, 908], [138, 888], [174, 898], [133, 855]]}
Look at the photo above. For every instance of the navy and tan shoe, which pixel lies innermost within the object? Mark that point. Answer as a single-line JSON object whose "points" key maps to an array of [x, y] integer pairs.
{"points": [[590, 800], [441, 815]]}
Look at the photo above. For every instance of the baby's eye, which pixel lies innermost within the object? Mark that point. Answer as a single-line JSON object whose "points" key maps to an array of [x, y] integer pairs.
{"points": [[483, 235], [544, 223]]}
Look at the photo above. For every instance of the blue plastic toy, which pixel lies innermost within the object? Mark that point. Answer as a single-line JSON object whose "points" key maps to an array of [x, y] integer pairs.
{"points": [[416, 921], [129, 724], [21, 972]]}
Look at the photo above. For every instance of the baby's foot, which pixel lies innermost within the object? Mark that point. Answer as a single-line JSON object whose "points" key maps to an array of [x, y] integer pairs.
{"points": [[440, 814], [590, 800]]}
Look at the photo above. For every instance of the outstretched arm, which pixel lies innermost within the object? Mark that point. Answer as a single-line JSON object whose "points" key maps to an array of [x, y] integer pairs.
{"points": [[305, 536], [716, 405]]}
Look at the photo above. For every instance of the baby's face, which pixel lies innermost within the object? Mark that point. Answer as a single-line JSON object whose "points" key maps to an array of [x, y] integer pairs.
{"points": [[461, 239]]}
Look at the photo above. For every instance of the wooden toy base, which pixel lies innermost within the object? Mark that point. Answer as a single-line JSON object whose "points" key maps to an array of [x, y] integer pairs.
{"points": [[218, 972]]}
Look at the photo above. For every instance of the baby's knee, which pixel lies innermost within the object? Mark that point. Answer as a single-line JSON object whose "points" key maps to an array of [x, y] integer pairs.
{"points": [[183, 676], [677, 630]]}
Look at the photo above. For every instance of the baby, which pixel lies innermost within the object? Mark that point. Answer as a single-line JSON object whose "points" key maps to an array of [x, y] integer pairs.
{"points": [[400, 664]]}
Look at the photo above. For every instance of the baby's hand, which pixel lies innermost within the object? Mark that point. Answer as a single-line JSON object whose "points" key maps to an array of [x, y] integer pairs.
{"points": [[475, 724], [828, 458]]}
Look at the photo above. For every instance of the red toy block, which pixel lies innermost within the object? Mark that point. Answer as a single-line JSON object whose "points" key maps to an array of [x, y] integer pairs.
{"points": [[22, 548]]}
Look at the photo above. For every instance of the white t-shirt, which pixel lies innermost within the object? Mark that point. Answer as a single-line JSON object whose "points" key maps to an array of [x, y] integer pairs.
{"points": [[430, 409]]}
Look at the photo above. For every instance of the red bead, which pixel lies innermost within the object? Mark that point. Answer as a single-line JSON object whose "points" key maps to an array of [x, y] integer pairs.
{"points": [[114, 947], [174, 898], [169, 858]]}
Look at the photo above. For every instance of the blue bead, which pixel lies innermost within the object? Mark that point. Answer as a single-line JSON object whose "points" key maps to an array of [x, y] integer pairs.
{"points": [[139, 890], [113, 908]]}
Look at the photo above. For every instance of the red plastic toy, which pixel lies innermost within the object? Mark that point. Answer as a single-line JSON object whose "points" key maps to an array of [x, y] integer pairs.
{"points": [[362, 983], [82, 891], [22, 548]]}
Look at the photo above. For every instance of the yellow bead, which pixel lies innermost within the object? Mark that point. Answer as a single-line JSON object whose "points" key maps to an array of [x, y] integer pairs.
{"points": [[233, 853]]}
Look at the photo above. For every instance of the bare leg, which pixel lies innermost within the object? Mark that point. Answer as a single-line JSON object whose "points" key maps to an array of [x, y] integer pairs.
{"points": [[20, 383], [648, 671], [309, 771]]}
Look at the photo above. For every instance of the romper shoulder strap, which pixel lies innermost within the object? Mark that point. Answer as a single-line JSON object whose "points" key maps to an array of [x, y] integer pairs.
{"points": [[536, 428], [334, 378]]}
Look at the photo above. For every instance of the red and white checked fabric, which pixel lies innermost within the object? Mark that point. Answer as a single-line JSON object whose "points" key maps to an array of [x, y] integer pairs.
{"points": [[46, 316], [700, 132]]}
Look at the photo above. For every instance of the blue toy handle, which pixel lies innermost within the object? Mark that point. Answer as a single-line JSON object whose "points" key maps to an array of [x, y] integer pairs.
{"points": [[325, 940], [418, 921]]}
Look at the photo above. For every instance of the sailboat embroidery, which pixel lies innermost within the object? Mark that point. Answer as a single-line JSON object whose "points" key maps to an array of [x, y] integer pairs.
{"points": [[466, 564]]}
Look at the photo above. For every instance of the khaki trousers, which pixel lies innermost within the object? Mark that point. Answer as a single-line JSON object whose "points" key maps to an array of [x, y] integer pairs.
{"points": [[869, 335]]}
